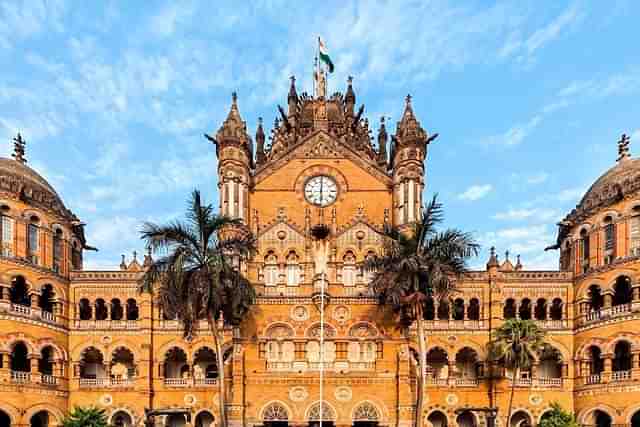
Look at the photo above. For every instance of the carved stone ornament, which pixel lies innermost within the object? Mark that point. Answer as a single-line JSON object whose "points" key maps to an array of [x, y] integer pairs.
{"points": [[106, 400], [299, 313], [535, 399], [452, 399], [343, 394], [190, 400], [341, 314], [298, 394]]}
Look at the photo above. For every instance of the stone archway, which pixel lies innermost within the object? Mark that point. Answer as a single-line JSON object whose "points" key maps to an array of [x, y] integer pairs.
{"points": [[40, 419], [5, 419]]}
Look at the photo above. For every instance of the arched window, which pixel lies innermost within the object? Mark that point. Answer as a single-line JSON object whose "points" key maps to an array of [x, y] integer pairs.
{"points": [[275, 415], [473, 311], [57, 249], [365, 415], [556, 309], [437, 363], [634, 232], [429, 309], [76, 256], [601, 419], [46, 298], [443, 309], [520, 419], [349, 269], [101, 309], [121, 419], [176, 420], [622, 357], [40, 419], [635, 419], [19, 293], [596, 363], [117, 311], [458, 309], [609, 240], [32, 240], [596, 299], [123, 365], [509, 311], [132, 309], [622, 291], [85, 309], [5, 419], [525, 309], [204, 365], [584, 250], [175, 363], [466, 419], [271, 270], [204, 419], [92, 364], [467, 363], [550, 363], [540, 311], [7, 235], [20, 358], [45, 364], [437, 419], [293, 269], [368, 275]]}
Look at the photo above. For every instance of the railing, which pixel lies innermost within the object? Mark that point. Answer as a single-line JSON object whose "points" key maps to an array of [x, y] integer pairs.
{"points": [[357, 291], [106, 382], [280, 291], [593, 379], [279, 366], [362, 366], [20, 377], [552, 324], [47, 316], [450, 324], [613, 311], [620, 375], [204, 382], [549, 382], [48, 379], [522, 382], [21, 309], [437, 381], [466, 382], [177, 382], [107, 324]]}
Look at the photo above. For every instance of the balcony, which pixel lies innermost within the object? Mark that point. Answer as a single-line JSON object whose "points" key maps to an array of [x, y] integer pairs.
{"points": [[549, 382], [20, 377], [552, 324], [107, 324], [593, 379], [620, 375], [190, 382], [29, 312], [466, 382], [616, 311], [106, 382]]}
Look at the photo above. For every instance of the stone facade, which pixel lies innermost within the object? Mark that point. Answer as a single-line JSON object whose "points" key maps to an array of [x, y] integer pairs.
{"points": [[74, 337]]}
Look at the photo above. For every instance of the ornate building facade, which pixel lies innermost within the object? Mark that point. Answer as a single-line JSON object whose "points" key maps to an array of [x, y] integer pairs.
{"points": [[71, 337]]}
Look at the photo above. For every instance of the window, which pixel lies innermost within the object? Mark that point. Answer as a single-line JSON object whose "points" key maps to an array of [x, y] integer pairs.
{"points": [[584, 250], [635, 235], [7, 235], [609, 240], [57, 249], [32, 243], [293, 270], [271, 270], [349, 269]]}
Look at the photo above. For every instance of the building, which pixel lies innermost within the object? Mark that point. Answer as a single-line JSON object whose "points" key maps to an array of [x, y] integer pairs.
{"points": [[70, 337]]}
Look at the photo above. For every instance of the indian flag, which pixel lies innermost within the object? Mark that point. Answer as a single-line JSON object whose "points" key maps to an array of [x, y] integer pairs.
{"points": [[324, 55]]}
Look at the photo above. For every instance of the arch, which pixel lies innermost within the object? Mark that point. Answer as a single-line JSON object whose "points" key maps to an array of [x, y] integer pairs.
{"points": [[175, 362], [363, 329], [550, 362], [100, 309], [11, 412], [328, 412], [205, 363], [473, 310], [46, 300], [467, 362], [589, 416], [366, 411], [525, 309], [132, 310], [557, 308], [540, 309], [45, 362], [19, 358], [117, 311], [275, 411], [521, 418], [622, 358], [622, 293], [437, 418], [92, 364], [121, 418], [509, 310], [458, 309], [279, 330], [204, 418], [5, 419], [313, 331], [611, 345], [59, 352], [466, 419], [19, 292], [437, 363], [85, 311], [54, 414], [595, 297]]}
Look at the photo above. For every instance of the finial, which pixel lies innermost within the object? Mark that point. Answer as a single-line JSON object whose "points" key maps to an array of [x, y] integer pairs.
{"points": [[135, 255], [506, 255], [293, 80], [382, 121], [408, 99], [350, 80], [623, 147], [234, 97], [259, 121], [518, 263], [123, 264], [493, 258], [19, 148]]}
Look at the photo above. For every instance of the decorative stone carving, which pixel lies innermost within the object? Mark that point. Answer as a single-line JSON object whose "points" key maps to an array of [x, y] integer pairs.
{"points": [[366, 412], [275, 412], [341, 314], [362, 330], [106, 400], [280, 331], [327, 412], [314, 331], [298, 394], [120, 371], [190, 400], [452, 399], [299, 313], [343, 394], [535, 399]]}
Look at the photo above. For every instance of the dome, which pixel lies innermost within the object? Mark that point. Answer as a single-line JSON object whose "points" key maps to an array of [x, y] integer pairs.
{"points": [[23, 183], [615, 184]]}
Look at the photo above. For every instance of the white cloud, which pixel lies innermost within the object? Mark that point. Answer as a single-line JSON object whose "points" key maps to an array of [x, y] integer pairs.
{"points": [[476, 192], [570, 194], [539, 214], [515, 135]]}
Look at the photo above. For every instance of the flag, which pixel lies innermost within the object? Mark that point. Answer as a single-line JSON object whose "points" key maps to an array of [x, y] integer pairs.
{"points": [[324, 55]]}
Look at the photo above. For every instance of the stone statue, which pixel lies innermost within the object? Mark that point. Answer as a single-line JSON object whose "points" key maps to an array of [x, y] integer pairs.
{"points": [[321, 84], [198, 373], [321, 257], [120, 371]]}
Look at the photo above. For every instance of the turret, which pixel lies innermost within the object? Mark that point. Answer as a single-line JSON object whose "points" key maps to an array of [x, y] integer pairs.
{"points": [[260, 156], [235, 160], [292, 98], [349, 98], [409, 150], [382, 144]]}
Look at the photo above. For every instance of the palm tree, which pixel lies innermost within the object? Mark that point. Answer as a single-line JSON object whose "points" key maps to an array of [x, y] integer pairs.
{"points": [[419, 262], [515, 344], [197, 275], [85, 417]]}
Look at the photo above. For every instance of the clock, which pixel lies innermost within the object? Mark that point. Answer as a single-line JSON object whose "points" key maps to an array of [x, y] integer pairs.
{"points": [[321, 190]]}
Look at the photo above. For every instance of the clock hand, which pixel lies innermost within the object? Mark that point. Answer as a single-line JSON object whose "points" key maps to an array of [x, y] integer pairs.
{"points": [[321, 182]]}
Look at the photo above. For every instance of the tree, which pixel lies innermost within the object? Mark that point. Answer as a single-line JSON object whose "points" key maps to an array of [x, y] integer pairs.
{"points": [[558, 417], [85, 417], [419, 262], [197, 275], [515, 344]]}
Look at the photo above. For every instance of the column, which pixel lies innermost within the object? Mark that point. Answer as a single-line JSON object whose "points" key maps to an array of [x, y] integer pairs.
{"points": [[241, 199], [411, 201], [608, 300], [34, 299], [608, 366], [35, 374], [517, 309], [232, 198], [534, 371], [635, 365]]}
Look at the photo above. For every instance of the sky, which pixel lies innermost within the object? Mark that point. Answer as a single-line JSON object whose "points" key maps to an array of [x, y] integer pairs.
{"points": [[529, 99]]}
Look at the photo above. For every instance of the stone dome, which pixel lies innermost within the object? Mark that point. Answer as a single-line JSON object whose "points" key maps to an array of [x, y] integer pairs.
{"points": [[615, 184], [23, 183]]}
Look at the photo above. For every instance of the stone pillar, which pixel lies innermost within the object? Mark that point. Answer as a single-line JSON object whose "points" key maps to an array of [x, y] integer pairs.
{"points": [[608, 300], [34, 299], [517, 309], [608, 366]]}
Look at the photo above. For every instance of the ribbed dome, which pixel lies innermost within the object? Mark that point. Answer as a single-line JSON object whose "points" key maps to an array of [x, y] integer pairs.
{"points": [[17, 177]]}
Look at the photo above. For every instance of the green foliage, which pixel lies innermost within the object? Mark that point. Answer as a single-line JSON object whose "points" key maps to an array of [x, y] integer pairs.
{"points": [[85, 417], [196, 276], [558, 417], [516, 342], [420, 262]]}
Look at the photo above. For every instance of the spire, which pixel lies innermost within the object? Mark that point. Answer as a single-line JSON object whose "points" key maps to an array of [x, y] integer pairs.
{"points": [[19, 149], [382, 143], [234, 128], [623, 147], [292, 99], [148, 260], [123, 263], [493, 259], [408, 129], [260, 142], [506, 265], [350, 96], [518, 263]]}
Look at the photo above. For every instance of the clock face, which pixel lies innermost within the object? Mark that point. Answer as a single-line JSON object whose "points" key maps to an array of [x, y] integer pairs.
{"points": [[321, 190]]}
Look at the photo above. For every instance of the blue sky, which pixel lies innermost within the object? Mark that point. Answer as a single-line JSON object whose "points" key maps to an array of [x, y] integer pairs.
{"points": [[529, 99]]}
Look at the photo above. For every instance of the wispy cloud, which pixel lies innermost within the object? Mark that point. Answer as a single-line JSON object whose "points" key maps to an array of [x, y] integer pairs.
{"points": [[539, 214], [515, 135], [476, 192]]}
